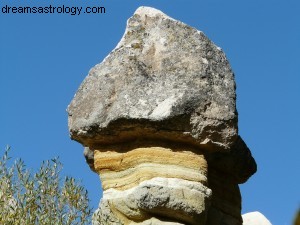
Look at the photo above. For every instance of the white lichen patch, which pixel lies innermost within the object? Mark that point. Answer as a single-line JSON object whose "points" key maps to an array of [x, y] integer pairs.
{"points": [[163, 109]]}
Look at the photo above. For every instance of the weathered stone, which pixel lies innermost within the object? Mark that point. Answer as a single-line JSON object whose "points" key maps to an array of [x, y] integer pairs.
{"points": [[159, 124], [172, 198], [238, 163], [89, 157], [226, 199], [125, 170], [255, 218], [164, 80], [146, 184]]}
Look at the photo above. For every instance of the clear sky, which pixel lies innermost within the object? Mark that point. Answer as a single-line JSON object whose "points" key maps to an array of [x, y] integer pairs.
{"points": [[45, 57]]}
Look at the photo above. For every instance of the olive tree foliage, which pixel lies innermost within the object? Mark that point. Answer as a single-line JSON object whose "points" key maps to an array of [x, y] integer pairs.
{"points": [[40, 198]]}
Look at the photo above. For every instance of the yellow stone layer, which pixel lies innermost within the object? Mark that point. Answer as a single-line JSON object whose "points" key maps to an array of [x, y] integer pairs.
{"points": [[125, 170]]}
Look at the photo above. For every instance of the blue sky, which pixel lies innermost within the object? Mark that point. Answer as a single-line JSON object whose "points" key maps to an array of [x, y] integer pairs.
{"points": [[45, 57]]}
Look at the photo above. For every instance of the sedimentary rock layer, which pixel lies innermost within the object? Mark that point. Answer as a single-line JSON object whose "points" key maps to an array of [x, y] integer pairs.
{"points": [[125, 170], [147, 184], [160, 198], [159, 124]]}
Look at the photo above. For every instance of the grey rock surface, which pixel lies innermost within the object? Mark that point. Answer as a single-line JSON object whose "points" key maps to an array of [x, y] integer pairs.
{"points": [[164, 85], [89, 157], [255, 218], [164, 80], [175, 200]]}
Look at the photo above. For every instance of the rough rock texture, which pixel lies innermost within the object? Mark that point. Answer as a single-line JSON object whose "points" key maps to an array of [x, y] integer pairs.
{"points": [[159, 124], [255, 218], [169, 198], [163, 80]]}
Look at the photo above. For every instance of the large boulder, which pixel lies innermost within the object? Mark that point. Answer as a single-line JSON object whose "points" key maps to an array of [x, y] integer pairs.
{"points": [[158, 121], [164, 80], [255, 218]]}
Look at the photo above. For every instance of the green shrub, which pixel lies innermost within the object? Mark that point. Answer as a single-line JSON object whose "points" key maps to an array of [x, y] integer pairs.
{"points": [[41, 198]]}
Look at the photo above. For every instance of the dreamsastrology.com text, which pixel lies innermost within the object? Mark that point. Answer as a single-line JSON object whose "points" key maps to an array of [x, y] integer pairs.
{"points": [[71, 10]]}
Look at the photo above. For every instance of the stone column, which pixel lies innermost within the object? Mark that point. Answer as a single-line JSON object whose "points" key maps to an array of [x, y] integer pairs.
{"points": [[158, 121]]}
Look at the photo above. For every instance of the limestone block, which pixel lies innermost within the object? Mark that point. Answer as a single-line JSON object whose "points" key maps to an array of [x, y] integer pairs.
{"points": [[172, 198], [255, 218], [158, 121], [125, 170], [164, 80], [146, 184]]}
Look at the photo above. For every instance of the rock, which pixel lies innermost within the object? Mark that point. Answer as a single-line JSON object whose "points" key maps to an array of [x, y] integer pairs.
{"points": [[164, 80], [153, 182], [255, 218], [239, 162], [89, 157], [171, 198], [159, 124], [125, 170]]}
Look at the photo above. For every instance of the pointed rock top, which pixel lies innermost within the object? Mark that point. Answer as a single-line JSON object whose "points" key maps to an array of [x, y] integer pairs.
{"points": [[144, 11], [164, 80], [144, 15]]}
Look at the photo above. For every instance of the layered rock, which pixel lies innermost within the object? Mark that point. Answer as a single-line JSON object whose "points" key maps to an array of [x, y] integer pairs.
{"points": [[159, 123], [146, 184]]}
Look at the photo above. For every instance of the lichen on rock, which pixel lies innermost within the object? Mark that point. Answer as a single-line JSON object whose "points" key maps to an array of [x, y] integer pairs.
{"points": [[164, 79]]}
